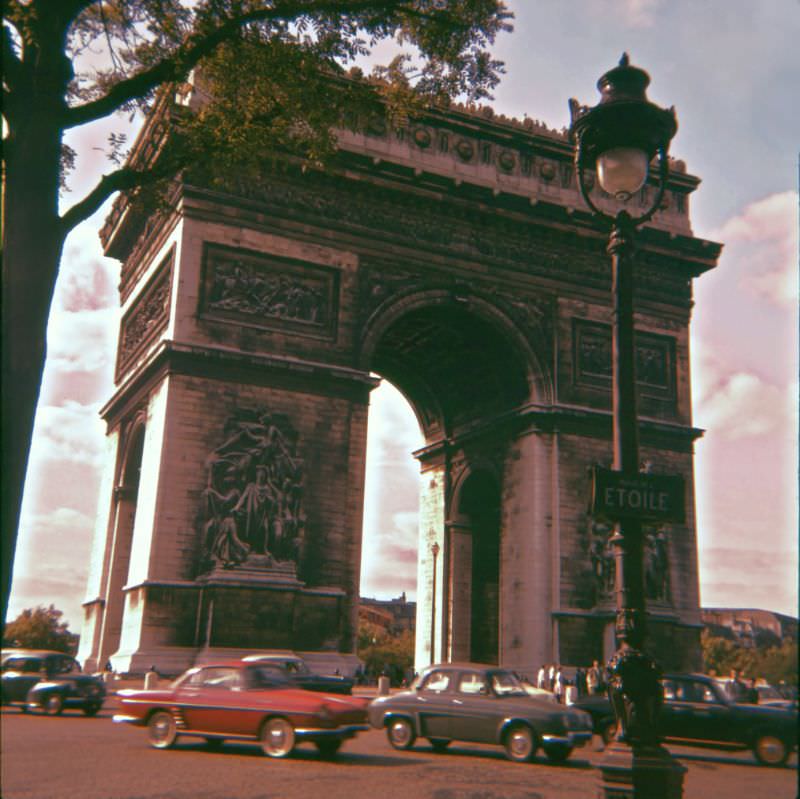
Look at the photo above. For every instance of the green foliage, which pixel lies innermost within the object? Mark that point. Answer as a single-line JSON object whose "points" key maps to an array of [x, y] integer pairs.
{"points": [[272, 72], [40, 628], [771, 660], [382, 652]]}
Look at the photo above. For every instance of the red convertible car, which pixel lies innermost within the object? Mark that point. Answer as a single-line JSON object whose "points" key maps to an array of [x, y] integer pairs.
{"points": [[240, 701]]}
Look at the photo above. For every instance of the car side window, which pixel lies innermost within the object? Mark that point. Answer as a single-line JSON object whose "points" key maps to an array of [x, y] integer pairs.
{"points": [[472, 683], [214, 678], [221, 678], [437, 682]]}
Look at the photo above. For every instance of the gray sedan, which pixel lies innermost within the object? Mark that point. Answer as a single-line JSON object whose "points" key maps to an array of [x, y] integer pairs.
{"points": [[480, 704]]}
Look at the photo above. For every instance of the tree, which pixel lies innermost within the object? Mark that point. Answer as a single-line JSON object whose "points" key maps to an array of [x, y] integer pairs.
{"points": [[775, 661], [271, 71], [40, 628]]}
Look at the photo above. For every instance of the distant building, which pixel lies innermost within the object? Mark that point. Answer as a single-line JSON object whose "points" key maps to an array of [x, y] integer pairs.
{"points": [[393, 615], [748, 625]]}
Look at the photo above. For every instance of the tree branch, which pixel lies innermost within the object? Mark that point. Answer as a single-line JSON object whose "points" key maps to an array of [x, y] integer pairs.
{"points": [[197, 46], [122, 179]]}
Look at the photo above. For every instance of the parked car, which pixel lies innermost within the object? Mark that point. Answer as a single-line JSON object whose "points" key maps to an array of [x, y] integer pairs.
{"points": [[298, 672], [39, 679], [246, 702], [697, 712], [481, 704]]}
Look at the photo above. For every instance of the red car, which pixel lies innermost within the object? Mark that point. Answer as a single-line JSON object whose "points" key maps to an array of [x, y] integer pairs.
{"points": [[243, 701]]}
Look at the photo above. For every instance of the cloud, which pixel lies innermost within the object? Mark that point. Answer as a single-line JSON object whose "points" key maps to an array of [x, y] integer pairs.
{"points": [[52, 562], [71, 432], [768, 579], [742, 404], [762, 245]]}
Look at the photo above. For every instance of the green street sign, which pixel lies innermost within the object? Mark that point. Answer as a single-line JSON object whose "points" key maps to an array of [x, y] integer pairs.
{"points": [[648, 497]]}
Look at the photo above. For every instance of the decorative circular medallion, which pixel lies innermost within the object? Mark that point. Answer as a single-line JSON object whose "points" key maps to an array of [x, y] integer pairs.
{"points": [[506, 161], [465, 150], [422, 138], [547, 171]]}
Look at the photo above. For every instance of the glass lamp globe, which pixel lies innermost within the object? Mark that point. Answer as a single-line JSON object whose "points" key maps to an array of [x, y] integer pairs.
{"points": [[622, 171]]}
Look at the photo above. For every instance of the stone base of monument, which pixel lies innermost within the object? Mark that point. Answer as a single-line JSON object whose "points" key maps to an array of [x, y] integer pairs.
{"points": [[262, 569], [244, 610], [641, 772]]}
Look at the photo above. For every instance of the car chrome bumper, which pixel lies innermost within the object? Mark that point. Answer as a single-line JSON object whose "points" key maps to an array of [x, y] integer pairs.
{"points": [[318, 734], [572, 739]]}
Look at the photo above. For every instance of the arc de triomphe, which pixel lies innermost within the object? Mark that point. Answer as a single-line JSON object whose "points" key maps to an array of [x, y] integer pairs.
{"points": [[453, 257]]}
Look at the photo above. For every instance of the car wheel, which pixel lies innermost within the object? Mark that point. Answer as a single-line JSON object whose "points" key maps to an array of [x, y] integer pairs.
{"points": [[609, 732], [770, 750], [400, 733], [162, 732], [277, 737], [328, 748], [439, 744], [91, 710], [520, 744], [54, 704], [557, 753]]}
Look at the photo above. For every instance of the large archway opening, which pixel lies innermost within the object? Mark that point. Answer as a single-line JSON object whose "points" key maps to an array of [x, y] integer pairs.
{"points": [[459, 370]]}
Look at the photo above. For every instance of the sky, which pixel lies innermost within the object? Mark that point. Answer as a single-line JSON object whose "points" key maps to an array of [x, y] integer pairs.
{"points": [[731, 70]]}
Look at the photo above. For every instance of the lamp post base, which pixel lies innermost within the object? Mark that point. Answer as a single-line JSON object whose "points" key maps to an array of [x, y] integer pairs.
{"points": [[640, 772]]}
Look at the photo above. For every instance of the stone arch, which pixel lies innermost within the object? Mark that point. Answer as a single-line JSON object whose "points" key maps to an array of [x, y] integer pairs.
{"points": [[435, 343], [124, 515], [469, 371]]}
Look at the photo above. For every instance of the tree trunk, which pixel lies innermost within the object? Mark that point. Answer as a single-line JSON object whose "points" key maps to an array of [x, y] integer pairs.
{"points": [[33, 238]]}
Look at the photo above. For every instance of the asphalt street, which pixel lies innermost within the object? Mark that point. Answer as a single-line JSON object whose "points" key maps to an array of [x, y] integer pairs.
{"points": [[74, 757]]}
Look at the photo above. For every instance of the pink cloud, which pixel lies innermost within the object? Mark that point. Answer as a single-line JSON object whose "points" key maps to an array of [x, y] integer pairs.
{"points": [[762, 246], [71, 432]]}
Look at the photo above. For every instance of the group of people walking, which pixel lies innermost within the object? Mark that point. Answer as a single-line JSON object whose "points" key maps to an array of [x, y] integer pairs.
{"points": [[584, 682]]}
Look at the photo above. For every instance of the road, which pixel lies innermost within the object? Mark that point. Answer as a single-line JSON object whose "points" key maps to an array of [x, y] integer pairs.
{"points": [[74, 757]]}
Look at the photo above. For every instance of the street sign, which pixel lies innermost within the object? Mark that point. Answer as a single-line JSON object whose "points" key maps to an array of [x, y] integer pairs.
{"points": [[648, 497]]}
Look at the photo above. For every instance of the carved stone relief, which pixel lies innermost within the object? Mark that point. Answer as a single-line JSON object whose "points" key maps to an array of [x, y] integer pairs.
{"points": [[656, 562], [252, 513], [266, 291], [655, 359], [147, 316]]}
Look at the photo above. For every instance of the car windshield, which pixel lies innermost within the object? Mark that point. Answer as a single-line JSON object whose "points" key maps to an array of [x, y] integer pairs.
{"points": [[505, 683]]}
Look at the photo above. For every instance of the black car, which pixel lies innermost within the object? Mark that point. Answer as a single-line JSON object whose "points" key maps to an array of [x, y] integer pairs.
{"points": [[298, 672], [49, 681], [697, 712]]}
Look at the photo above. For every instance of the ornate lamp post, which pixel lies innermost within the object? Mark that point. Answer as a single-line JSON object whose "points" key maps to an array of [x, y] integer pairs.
{"points": [[619, 137], [435, 553]]}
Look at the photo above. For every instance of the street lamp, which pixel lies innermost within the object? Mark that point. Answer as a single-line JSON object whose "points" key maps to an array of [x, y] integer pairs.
{"points": [[435, 553], [619, 138]]}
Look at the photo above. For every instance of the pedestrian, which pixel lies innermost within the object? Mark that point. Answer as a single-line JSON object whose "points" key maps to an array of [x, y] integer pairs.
{"points": [[551, 677], [580, 681], [558, 684], [593, 679], [541, 677]]}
